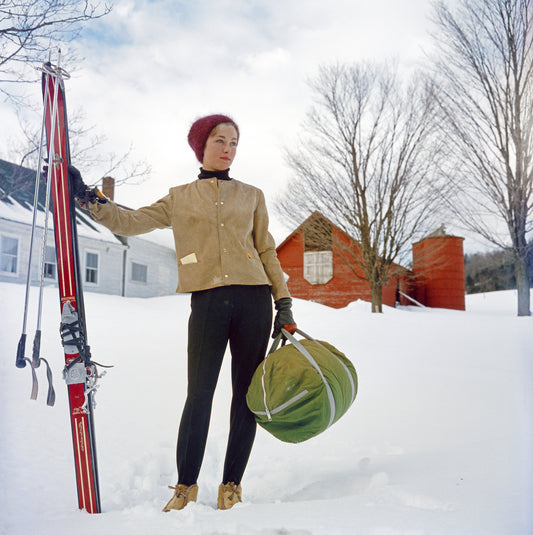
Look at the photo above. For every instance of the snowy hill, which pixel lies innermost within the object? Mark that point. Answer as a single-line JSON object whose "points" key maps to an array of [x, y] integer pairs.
{"points": [[438, 441]]}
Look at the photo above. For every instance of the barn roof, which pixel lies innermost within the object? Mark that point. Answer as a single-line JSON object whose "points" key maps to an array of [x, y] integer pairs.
{"points": [[300, 229], [319, 215]]}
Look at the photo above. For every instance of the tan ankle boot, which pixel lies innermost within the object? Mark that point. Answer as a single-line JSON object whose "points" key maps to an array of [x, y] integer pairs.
{"points": [[228, 495], [183, 494]]}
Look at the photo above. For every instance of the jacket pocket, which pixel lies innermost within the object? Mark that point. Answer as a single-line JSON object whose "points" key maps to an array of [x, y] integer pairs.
{"points": [[189, 259]]}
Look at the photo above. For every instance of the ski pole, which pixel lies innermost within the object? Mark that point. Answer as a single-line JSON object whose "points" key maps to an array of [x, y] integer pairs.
{"points": [[20, 360], [51, 158], [36, 360]]}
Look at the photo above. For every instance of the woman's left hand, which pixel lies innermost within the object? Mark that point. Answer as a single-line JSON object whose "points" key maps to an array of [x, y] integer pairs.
{"points": [[283, 319]]}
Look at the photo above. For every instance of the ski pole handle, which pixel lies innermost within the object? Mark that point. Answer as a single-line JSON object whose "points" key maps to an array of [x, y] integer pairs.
{"points": [[36, 360], [20, 362]]}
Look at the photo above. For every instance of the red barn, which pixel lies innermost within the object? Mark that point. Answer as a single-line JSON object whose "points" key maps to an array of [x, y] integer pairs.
{"points": [[312, 257]]}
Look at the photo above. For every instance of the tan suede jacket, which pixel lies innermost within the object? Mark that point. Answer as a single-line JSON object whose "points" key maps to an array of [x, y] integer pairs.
{"points": [[220, 230]]}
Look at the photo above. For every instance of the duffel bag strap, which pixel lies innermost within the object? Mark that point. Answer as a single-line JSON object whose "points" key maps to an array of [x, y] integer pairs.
{"points": [[313, 363], [283, 339], [275, 344], [348, 374]]}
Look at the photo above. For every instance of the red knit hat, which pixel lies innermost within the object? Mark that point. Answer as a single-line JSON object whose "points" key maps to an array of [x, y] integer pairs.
{"points": [[201, 129]]}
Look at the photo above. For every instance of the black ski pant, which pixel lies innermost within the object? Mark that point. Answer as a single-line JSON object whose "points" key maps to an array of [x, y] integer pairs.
{"points": [[241, 315]]}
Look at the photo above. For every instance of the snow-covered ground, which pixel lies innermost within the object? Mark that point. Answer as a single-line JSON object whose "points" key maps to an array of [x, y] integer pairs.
{"points": [[438, 441]]}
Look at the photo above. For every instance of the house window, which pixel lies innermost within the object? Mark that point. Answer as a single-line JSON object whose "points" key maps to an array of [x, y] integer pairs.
{"points": [[8, 254], [91, 268], [139, 272], [50, 266], [318, 267]]}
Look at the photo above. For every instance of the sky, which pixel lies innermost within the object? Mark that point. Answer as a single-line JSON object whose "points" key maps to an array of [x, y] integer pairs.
{"points": [[147, 70]]}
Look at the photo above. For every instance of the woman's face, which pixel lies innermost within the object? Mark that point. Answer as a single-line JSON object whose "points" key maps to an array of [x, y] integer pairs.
{"points": [[220, 148]]}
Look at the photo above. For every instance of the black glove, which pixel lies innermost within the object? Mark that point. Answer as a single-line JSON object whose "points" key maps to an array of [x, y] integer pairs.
{"points": [[283, 319], [78, 185], [81, 191]]}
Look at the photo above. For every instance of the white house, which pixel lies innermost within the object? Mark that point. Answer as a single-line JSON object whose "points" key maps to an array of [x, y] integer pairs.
{"points": [[134, 267]]}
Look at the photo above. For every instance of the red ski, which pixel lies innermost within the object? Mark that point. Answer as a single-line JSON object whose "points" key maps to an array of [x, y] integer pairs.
{"points": [[80, 372]]}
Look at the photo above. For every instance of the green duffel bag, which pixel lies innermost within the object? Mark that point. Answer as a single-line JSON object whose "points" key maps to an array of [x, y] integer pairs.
{"points": [[302, 388]]}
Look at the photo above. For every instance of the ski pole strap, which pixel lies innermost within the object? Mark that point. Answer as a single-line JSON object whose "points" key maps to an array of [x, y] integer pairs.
{"points": [[34, 382], [51, 396]]}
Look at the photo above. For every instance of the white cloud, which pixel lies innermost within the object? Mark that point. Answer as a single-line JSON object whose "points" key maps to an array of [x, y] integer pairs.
{"points": [[152, 66]]}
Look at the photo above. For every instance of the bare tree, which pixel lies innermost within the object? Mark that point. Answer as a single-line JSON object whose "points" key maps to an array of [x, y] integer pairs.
{"points": [[28, 29], [366, 162], [86, 150], [484, 76]]}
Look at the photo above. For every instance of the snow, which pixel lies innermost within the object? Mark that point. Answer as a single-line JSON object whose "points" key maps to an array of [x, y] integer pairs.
{"points": [[164, 237], [12, 210], [438, 441]]}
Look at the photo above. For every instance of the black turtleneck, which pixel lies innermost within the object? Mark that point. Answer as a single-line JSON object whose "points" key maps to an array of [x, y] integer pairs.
{"points": [[222, 175]]}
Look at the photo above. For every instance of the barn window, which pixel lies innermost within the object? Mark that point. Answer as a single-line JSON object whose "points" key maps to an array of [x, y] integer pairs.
{"points": [[8, 254], [318, 254], [139, 272], [318, 266]]}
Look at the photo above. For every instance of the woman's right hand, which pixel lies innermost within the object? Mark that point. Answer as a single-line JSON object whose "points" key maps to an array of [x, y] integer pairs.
{"points": [[83, 193], [79, 187]]}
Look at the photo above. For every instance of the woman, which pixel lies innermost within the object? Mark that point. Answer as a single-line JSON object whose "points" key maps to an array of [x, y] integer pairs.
{"points": [[227, 260]]}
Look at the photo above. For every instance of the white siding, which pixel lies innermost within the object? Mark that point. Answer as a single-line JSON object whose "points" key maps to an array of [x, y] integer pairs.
{"points": [[162, 273], [110, 257], [23, 233], [114, 260]]}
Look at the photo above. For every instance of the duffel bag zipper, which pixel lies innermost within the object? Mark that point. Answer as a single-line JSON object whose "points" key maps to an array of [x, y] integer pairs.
{"points": [[283, 406]]}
